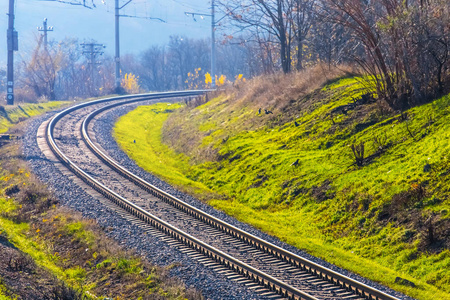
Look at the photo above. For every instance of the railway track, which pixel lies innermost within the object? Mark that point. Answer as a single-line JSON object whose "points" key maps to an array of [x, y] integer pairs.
{"points": [[70, 136]]}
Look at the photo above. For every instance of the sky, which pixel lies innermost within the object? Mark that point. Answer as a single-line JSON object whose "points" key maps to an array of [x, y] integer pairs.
{"points": [[136, 34]]}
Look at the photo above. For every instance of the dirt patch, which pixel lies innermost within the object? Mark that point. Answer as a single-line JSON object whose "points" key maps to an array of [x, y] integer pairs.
{"points": [[323, 192]]}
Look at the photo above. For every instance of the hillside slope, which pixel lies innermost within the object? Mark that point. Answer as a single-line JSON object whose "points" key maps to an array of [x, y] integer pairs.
{"points": [[383, 213]]}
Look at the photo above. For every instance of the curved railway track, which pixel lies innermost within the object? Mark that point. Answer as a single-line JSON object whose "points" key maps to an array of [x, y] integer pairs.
{"points": [[69, 135]]}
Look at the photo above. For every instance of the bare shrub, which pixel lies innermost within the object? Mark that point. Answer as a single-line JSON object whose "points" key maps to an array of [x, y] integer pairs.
{"points": [[11, 190], [62, 291], [358, 153]]}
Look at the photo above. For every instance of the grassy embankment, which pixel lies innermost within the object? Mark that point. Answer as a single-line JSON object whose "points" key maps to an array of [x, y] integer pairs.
{"points": [[12, 115], [53, 252], [385, 219]]}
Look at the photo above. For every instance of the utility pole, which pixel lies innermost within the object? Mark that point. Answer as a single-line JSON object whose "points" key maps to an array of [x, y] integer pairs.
{"points": [[12, 42], [45, 29], [117, 9], [117, 56], [117, 15], [213, 46], [92, 51], [213, 39]]}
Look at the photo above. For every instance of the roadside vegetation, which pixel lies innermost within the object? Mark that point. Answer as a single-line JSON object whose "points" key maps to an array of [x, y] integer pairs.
{"points": [[11, 115], [50, 252], [314, 159]]}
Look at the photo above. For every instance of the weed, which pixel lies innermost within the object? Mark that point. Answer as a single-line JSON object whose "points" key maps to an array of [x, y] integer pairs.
{"points": [[380, 142]]}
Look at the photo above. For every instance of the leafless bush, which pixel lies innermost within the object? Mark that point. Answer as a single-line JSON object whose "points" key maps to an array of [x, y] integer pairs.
{"points": [[35, 197], [358, 153], [406, 58], [62, 291], [408, 129], [25, 95], [11, 190]]}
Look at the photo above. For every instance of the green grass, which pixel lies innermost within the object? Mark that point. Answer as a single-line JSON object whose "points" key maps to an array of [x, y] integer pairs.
{"points": [[163, 159], [11, 115], [17, 234], [78, 232], [326, 205], [3, 290]]}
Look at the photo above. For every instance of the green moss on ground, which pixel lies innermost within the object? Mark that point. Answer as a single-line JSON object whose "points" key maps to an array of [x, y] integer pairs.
{"points": [[385, 219]]}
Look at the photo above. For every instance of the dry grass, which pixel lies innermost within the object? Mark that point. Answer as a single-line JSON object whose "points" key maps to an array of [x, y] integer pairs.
{"points": [[276, 91], [236, 109]]}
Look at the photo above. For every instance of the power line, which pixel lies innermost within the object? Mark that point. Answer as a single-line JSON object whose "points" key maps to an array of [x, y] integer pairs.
{"points": [[45, 29], [85, 3], [92, 51]]}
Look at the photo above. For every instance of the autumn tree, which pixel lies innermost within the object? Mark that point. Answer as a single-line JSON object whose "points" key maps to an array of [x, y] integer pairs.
{"points": [[41, 71], [130, 83]]}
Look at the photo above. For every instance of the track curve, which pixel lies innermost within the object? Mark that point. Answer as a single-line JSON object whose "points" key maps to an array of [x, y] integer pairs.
{"points": [[277, 269]]}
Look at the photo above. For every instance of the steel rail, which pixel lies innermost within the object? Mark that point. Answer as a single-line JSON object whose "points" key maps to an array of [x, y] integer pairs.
{"points": [[230, 262], [304, 264]]}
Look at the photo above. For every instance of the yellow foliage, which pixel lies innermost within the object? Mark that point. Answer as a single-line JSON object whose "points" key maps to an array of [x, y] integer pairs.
{"points": [[193, 81], [221, 80], [238, 79], [130, 83], [208, 79]]}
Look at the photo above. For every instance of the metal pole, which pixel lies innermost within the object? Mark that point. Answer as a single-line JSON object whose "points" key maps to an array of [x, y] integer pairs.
{"points": [[10, 44], [45, 29], [117, 49], [91, 50], [45, 34], [213, 45]]}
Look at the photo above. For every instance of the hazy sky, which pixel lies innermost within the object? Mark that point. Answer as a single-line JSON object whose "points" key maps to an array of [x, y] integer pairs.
{"points": [[137, 34]]}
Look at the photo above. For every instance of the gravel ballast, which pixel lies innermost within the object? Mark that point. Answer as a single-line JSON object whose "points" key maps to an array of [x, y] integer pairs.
{"points": [[212, 284]]}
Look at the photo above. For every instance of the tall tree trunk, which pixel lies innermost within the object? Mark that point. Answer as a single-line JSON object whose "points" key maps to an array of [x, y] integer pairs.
{"points": [[300, 52]]}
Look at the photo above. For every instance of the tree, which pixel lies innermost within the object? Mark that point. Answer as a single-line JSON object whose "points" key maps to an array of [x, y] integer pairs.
{"points": [[303, 14], [406, 45], [40, 73], [154, 75], [360, 18], [265, 19]]}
